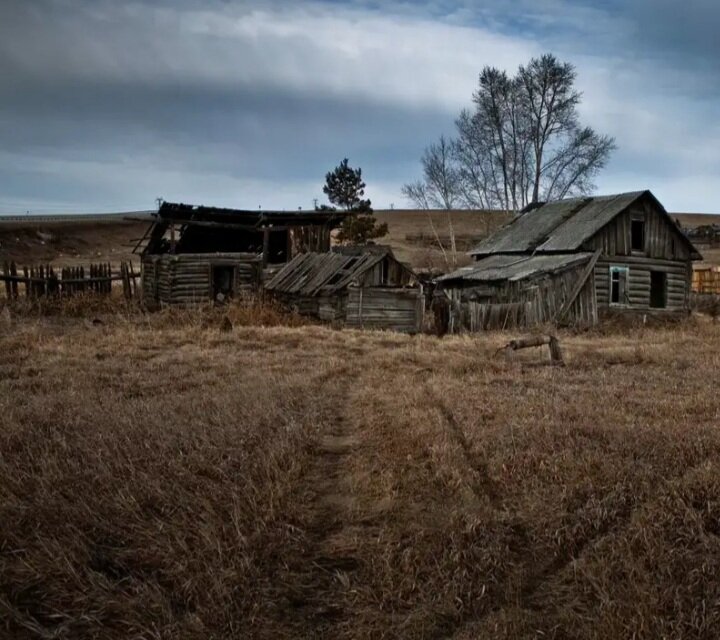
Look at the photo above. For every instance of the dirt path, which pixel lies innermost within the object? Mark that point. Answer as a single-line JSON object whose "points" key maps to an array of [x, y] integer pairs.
{"points": [[323, 575]]}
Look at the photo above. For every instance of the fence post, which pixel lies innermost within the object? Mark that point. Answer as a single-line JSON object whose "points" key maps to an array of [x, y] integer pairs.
{"points": [[132, 275]]}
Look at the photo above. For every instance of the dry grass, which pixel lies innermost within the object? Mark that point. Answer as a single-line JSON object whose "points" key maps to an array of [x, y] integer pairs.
{"points": [[167, 479]]}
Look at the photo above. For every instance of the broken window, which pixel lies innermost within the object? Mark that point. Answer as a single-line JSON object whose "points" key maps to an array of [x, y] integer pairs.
{"points": [[619, 285], [658, 289], [637, 233]]}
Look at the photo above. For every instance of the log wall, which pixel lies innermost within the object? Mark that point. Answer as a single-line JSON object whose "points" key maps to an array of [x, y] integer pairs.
{"points": [[679, 278], [187, 278]]}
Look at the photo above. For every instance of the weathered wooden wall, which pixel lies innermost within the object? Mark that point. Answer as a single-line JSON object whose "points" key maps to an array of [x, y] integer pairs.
{"points": [[525, 303], [389, 308], [387, 273], [309, 238], [187, 278], [679, 277], [662, 239]]}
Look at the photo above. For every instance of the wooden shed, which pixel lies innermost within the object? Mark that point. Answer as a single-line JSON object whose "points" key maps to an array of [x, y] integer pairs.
{"points": [[360, 287], [575, 261], [193, 254]]}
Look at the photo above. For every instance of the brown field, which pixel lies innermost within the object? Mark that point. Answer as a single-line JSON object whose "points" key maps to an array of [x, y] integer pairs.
{"points": [[161, 478]]}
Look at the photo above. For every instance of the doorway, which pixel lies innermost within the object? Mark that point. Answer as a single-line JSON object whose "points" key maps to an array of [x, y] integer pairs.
{"points": [[658, 289], [223, 282]]}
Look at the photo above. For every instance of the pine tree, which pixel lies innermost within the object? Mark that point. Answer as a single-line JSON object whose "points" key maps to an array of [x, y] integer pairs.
{"points": [[345, 188]]}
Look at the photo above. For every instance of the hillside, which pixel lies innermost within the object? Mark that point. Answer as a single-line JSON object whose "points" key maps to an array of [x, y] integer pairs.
{"points": [[410, 234]]}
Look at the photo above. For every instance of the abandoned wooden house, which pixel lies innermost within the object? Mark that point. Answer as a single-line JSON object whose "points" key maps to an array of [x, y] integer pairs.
{"points": [[572, 262], [192, 254], [359, 287]]}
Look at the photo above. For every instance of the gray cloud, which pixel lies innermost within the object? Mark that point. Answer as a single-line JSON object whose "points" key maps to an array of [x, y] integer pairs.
{"points": [[109, 104]]}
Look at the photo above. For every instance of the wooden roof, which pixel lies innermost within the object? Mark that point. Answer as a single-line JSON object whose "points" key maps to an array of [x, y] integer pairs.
{"points": [[563, 225]]}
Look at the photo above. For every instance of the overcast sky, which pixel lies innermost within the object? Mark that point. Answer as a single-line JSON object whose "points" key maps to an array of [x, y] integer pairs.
{"points": [[107, 104]]}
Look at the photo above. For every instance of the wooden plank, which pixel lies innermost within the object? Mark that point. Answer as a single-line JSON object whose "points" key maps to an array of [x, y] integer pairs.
{"points": [[578, 287]]}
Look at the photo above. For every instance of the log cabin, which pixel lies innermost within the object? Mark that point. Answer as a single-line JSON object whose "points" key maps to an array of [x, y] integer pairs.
{"points": [[193, 254], [575, 261]]}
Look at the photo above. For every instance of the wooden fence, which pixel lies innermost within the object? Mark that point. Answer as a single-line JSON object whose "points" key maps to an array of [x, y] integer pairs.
{"points": [[706, 280], [44, 280]]}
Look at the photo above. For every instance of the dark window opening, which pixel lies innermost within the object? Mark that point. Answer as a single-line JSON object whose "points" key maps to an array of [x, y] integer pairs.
{"points": [[223, 282], [278, 247], [618, 285], [658, 289], [637, 232]]}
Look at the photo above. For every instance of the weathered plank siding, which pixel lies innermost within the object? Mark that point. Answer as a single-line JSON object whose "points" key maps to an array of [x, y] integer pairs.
{"points": [[385, 308], [187, 278], [524, 303], [662, 239]]}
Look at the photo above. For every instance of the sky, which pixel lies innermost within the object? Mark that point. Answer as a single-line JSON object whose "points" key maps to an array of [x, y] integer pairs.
{"points": [[106, 105]]}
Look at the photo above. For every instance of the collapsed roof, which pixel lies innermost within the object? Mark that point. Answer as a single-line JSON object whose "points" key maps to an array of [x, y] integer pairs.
{"points": [[216, 225], [321, 274]]}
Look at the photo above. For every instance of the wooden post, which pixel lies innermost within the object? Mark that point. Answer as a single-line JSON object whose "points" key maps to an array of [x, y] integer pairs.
{"points": [[14, 283], [8, 286], [266, 246]]}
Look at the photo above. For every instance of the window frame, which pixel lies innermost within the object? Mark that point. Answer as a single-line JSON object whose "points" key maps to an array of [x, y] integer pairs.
{"points": [[619, 269]]}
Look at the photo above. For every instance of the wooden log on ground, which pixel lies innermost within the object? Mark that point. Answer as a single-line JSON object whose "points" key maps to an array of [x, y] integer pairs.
{"points": [[556, 354]]}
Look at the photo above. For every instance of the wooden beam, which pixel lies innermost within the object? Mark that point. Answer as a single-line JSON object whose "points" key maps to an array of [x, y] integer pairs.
{"points": [[577, 288]]}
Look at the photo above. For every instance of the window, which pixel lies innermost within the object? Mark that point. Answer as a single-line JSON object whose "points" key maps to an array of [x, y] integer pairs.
{"points": [[637, 235], [658, 289], [619, 285]]}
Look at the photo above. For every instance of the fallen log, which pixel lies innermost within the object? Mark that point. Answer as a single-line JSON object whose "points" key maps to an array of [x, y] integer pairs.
{"points": [[556, 355]]}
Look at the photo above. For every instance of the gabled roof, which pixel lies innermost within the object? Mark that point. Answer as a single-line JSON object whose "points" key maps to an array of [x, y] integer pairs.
{"points": [[563, 225], [315, 274], [500, 267]]}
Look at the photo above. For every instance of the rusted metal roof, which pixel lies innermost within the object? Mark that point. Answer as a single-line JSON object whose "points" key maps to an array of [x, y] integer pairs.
{"points": [[501, 267], [562, 225]]}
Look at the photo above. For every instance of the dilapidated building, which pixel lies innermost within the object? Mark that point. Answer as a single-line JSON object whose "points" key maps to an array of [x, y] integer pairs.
{"points": [[193, 253], [360, 287], [572, 262]]}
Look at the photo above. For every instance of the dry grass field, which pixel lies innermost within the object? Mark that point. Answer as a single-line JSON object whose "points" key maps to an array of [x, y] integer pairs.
{"points": [[162, 478]]}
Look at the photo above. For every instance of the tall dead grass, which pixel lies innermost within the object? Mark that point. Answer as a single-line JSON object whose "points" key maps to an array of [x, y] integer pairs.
{"points": [[159, 479]]}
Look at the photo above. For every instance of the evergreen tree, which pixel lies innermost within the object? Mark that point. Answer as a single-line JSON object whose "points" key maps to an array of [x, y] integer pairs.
{"points": [[345, 188]]}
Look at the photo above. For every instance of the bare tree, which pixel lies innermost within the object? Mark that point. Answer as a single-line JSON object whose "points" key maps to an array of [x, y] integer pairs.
{"points": [[439, 189], [521, 143]]}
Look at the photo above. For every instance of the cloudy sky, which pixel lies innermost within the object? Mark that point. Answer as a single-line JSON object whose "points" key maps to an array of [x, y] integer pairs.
{"points": [[107, 104]]}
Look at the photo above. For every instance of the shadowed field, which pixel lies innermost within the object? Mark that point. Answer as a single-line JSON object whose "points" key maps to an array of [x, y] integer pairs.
{"points": [[163, 478]]}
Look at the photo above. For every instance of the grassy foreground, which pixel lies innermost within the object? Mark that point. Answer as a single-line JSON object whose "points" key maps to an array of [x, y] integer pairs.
{"points": [[167, 479]]}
